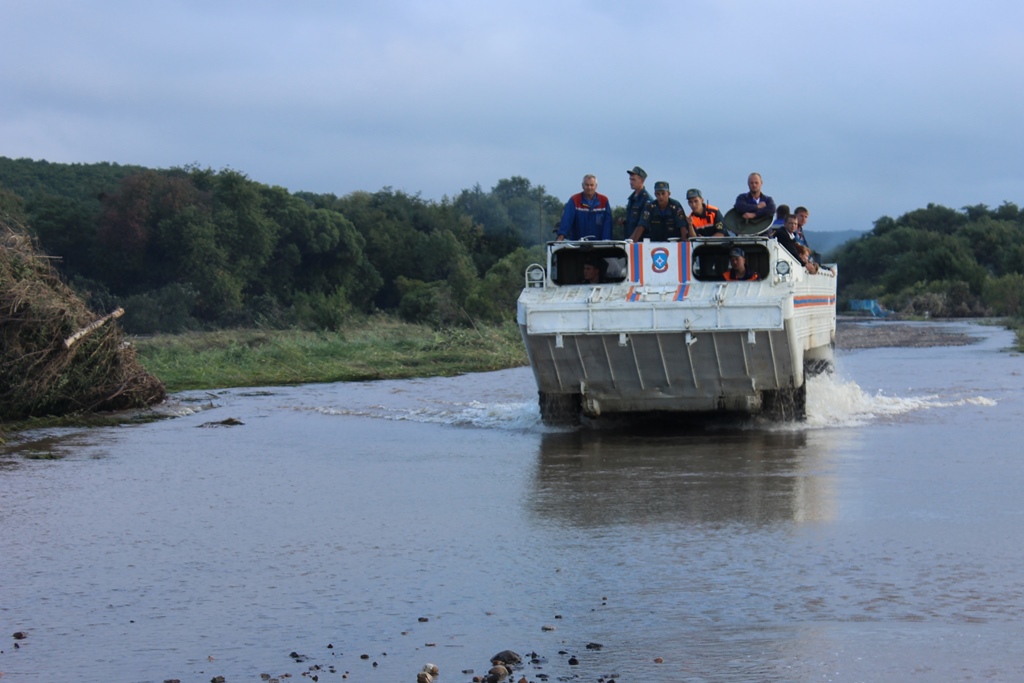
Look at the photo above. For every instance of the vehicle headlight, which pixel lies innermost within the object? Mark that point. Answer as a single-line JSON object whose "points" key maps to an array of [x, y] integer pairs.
{"points": [[535, 275]]}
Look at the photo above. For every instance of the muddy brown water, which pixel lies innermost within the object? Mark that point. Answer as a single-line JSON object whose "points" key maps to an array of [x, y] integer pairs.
{"points": [[437, 521]]}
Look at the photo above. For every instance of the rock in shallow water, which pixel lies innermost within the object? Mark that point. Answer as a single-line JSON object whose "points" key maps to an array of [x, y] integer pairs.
{"points": [[507, 657]]}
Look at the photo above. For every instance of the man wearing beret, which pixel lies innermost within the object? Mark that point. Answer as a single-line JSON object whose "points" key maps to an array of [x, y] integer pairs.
{"points": [[663, 219], [706, 219], [637, 201]]}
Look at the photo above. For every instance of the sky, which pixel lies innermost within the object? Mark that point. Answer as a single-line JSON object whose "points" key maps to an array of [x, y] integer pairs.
{"points": [[855, 110]]}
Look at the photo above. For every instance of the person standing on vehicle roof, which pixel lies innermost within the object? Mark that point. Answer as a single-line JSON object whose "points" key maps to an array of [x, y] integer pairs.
{"points": [[586, 214], [706, 219], [663, 219], [637, 201], [801, 220], [754, 205], [787, 240], [780, 218]]}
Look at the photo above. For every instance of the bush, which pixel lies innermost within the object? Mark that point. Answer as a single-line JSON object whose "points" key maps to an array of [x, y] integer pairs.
{"points": [[1005, 295], [429, 303], [320, 311], [940, 299], [168, 309]]}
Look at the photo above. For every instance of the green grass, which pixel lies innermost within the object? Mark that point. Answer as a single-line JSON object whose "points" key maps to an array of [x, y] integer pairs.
{"points": [[1017, 325], [1014, 324], [380, 348]]}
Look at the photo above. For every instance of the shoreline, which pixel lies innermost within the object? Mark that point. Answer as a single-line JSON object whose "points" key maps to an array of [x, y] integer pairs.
{"points": [[858, 333]]}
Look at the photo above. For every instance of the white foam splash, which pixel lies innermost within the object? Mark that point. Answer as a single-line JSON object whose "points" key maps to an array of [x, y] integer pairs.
{"points": [[835, 402], [832, 402]]}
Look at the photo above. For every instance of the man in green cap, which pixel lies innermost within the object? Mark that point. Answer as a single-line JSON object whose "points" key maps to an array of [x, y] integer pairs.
{"points": [[706, 219], [663, 219], [637, 201]]}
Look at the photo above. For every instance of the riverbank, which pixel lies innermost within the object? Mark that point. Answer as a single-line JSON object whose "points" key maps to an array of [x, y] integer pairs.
{"points": [[380, 348], [858, 333]]}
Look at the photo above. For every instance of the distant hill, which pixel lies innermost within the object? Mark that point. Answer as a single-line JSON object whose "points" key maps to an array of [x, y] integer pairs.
{"points": [[823, 242]]}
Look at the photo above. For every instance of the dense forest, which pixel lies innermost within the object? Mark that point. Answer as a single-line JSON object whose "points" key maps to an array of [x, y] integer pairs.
{"points": [[192, 248], [939, 262]]}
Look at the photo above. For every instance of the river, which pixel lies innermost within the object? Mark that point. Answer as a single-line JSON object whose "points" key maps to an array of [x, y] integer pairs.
{"points": [[359, 531]]}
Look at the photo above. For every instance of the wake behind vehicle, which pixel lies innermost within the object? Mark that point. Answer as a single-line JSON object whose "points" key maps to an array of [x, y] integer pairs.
{"points": [[663, 331]]}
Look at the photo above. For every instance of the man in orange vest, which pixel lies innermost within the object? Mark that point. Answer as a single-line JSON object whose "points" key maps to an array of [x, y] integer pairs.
{"points": [[738, 266], [707, 219]]}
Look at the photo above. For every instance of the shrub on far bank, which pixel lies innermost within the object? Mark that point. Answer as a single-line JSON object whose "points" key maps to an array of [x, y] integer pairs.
{"points": [[168, 309], [1005, 295], [429, 303], [939, 299]]}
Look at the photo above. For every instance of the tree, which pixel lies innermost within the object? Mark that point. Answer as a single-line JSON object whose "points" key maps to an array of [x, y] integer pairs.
{"points": [[412, 238], [12, 208], [319, 251], [495, 297], [934, 218], [66, 228]]}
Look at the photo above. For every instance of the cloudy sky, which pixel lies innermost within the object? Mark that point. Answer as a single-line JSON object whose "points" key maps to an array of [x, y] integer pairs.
{"points": [[854, 109]]}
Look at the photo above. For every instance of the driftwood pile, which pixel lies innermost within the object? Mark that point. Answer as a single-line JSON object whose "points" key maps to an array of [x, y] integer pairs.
{"points": [[56, 356]]}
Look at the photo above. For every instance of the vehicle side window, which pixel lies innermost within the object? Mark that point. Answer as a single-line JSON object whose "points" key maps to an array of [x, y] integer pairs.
{"points": [[567, 264], [711, 261]]}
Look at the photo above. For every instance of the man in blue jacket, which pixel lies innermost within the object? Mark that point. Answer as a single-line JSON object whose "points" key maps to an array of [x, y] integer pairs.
{"points": [[586, 214]]}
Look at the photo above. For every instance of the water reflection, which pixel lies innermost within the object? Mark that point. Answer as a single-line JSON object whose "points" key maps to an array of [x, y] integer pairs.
{"points": [[750, 477]]}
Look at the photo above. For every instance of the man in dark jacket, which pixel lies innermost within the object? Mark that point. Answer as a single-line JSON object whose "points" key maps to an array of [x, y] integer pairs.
{"points": [[638, 200], [663, 219], [754, 205], [788, 241]]}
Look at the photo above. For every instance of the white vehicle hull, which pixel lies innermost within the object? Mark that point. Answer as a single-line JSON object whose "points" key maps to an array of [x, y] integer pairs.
{"points": [[671, 335]]}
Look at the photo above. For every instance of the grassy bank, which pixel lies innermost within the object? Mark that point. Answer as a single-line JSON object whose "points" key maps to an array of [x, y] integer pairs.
{"points": [[380, 348], [1017, 325]]}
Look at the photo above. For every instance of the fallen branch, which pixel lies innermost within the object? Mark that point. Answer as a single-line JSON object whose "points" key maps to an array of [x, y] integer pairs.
{"points": [[92, 326]]}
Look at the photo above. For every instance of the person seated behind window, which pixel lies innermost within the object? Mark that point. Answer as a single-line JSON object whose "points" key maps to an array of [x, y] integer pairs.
{"points": [[594, 269], [738, 266]]}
